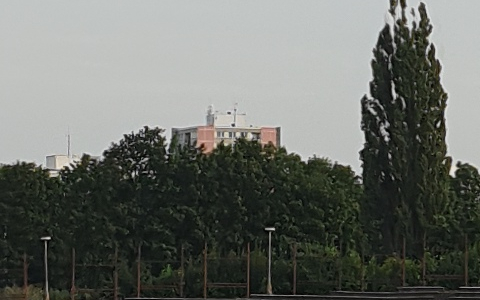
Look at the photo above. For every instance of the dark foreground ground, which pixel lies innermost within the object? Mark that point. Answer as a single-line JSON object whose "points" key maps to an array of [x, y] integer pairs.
{"points": [[404, 293]]}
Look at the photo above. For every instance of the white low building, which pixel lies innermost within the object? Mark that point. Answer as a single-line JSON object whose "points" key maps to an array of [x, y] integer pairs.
{"points": [[55, 163]]}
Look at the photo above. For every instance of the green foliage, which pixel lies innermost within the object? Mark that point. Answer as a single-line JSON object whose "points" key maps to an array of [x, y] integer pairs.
{"points": [[34, 293], [165, 198], [143, 193], [383, 275], [405, 167]]}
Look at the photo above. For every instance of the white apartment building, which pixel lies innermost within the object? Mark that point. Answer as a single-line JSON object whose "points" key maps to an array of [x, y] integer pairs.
{"points": [[225, 127]]}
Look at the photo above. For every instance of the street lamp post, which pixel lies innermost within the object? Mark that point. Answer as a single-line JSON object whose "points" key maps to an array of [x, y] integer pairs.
{"points": [[45, 239], [269, 278]]}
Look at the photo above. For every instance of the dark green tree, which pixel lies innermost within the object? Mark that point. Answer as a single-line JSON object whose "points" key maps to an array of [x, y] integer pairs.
{"points": [[405, 167], [465, 185], [25, 214]]}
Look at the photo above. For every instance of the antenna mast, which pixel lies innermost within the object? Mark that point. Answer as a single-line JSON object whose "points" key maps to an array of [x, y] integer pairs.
{"points": [[235, 114], [68, 143]]}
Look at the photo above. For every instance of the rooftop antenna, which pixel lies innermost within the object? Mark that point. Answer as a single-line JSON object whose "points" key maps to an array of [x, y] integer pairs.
{"points": [[235, 114], [68, 142]]}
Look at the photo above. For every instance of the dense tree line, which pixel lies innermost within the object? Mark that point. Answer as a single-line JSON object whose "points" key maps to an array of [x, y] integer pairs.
{"points": [[165, 197]]}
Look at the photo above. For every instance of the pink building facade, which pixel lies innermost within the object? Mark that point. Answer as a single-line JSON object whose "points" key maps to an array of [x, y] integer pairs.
{"points": [[206, 137], [225, 128]]}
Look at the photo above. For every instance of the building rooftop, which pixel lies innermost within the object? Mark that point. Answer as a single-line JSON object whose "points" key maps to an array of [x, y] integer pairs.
{"points": [[230, 118]]}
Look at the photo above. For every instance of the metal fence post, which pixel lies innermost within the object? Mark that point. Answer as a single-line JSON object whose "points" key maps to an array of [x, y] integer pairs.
{"points": [[205, 272], [72, 290], [466, 261], [115, 275], [362, 280], [424, 258], [404, 249], [25, 276], [139, 269], [340, 269], [294, 268], [182, 270], [248, 270]]}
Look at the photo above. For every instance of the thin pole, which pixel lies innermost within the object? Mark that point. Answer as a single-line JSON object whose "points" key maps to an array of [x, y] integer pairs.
{"points": [[68, 143], [72, 291], [182, 269], [466, 260], [139, 270], [47, 294], [363, 270], [25, 276], [294, 268], [205, 272], [404, 249], [340, 268], [115, 275], [248, 270], [424, 262], [269, 282]]}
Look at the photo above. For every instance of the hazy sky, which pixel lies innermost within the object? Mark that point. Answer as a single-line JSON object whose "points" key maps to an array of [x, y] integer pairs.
{"points": [[105, 68]]}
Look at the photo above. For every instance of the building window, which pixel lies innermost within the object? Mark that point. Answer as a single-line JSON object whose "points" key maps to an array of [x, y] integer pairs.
{"points": [[230, 134], [255, 136], [188, 138], [243, 134], [219, 134]]}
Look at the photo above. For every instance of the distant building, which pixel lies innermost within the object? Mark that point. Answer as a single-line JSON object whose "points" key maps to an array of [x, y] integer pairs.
{"points": [[55, 163], [227, 128]]}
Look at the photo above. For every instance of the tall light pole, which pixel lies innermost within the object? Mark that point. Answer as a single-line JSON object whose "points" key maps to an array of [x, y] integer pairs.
{"points": [[45, 239], [269, 278]]}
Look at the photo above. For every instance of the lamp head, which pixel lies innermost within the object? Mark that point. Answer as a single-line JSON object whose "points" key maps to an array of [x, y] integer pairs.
{"points": [[269, 229], [46, 238]]}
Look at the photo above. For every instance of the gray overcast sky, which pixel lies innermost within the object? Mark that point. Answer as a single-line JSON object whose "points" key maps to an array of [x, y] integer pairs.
{"points": [[105, 68]]}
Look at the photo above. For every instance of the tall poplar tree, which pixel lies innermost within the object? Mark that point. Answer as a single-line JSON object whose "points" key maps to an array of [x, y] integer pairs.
{"points": [[405, 167]]}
